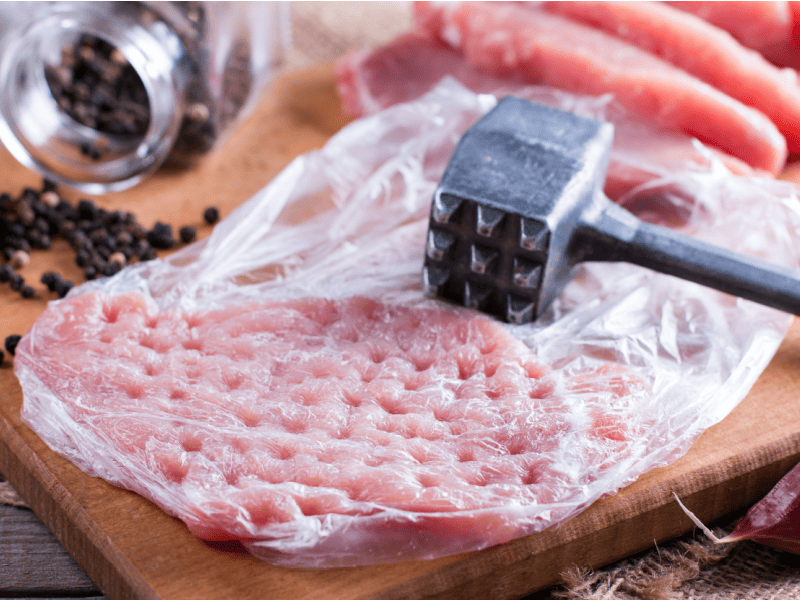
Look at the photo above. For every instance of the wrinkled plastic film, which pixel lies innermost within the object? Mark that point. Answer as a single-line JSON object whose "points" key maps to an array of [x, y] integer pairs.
{"points": [[634, 364]]}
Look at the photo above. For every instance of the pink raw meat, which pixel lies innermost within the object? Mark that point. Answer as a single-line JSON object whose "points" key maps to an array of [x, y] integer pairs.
{"points": [[542, 48], [270, 421], [413, 64], [762, 26], [403, 70], [701, 49]]}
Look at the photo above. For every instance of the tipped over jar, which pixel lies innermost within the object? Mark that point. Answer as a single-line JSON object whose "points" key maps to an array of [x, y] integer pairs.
{"points": [[98, 95]]}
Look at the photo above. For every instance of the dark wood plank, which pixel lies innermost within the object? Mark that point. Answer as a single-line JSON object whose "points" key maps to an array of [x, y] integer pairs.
{"points": [[33, 563]]}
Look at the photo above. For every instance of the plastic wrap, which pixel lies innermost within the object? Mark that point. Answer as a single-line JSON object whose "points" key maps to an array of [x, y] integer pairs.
{"points": [[631, 365]]}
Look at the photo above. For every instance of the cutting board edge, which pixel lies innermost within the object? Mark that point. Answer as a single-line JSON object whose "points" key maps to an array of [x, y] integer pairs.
{"points": [[68, 521], [490, 572], [579, 538]]}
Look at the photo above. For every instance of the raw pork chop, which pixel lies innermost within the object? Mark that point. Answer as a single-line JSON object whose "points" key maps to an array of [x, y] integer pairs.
{"points": [[413, 64], [350, 426], [504, 39], [763, 26], [699, 48]]}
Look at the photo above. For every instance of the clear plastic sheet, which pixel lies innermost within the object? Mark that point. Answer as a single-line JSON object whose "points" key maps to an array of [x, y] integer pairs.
{"points": [[661, 358]]}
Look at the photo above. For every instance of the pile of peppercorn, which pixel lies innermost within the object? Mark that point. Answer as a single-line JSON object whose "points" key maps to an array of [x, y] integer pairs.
{"points": [[96, 86], [103, 241]]}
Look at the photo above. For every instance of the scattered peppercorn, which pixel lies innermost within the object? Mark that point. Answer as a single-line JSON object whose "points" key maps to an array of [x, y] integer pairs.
{"points": [[11, 343], [49, 279], [63, 287], [19, 259], [187, 234], [50, 198], [211, 215], [16, 282], [118, 259], [160, 236], [103, 241]]}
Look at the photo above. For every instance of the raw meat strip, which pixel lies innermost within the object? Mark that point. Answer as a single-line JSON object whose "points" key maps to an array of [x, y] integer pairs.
{"points": [[259, 421], [547, 49], [413, 64], [403, 70], [701, 49], [762, 26]]}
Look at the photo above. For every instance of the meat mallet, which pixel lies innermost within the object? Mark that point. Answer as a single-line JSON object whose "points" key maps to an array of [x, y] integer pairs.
{"points": [[521, 204]]}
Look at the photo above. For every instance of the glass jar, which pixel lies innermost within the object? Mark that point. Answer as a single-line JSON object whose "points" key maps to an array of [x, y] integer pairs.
{"points": [[98, 95]]}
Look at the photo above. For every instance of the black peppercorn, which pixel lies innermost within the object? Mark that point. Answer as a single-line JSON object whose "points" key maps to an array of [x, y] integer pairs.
{"points": [[11, 343], [63, 287], [87, 210], [160, 236], [103, 241], [49, 279], [16, 282], [187, 234], [211, 215]]}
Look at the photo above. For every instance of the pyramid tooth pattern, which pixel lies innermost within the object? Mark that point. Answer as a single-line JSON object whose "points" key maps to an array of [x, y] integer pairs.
{"points": [[489, 221], [444, 207], [482, 259], [526, 274], [439, 244], [533, 234], [519, 310], [433, 279], [475, 295]]}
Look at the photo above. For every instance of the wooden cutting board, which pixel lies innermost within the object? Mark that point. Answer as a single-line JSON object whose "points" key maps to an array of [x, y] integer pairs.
{"points": [[131, 549]]}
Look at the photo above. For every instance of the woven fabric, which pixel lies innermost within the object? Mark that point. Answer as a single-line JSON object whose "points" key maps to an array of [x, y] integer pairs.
{"points": [[689, 568]]}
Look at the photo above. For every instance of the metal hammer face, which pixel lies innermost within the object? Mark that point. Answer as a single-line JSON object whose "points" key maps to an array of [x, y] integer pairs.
{"points": [[506, 210]]}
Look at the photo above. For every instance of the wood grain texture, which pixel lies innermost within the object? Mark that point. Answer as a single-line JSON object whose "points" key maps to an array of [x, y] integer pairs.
{"points": [[131, 549], [32, 562]]}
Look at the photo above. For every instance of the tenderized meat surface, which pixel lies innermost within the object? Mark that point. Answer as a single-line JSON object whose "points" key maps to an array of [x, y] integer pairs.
{"points": [[261, 419]]}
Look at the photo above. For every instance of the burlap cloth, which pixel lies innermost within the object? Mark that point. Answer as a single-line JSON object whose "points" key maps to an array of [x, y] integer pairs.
{"points": [[689, 568]]}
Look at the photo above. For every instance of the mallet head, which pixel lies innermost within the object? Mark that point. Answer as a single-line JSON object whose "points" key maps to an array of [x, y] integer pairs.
{"points": [[505, 211]]}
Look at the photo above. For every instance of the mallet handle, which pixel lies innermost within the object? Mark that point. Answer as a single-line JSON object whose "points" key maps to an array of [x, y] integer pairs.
{"points": [[613, 234]]}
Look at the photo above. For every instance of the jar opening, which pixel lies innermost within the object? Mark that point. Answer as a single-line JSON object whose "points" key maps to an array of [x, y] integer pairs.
{"points": [[94, 103], [94, 84]]}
